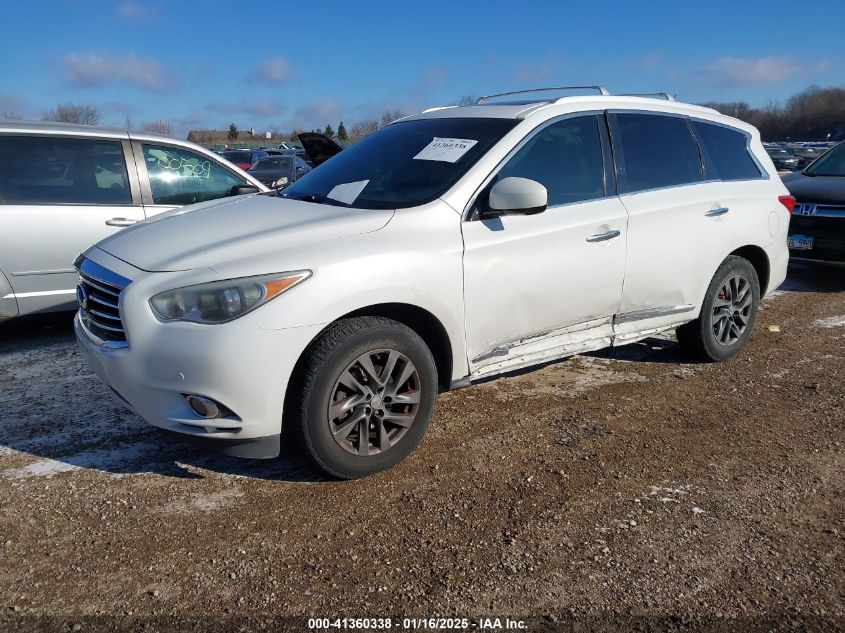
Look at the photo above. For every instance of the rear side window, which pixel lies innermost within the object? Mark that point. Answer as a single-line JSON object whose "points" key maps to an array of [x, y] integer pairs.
{"points": [[565, 157], [45, 170], [179, 177], [727, 152], [657, 151]]}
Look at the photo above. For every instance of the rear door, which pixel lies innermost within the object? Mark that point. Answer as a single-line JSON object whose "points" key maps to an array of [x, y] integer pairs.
{"points": [[678, 226], [58, 196]]}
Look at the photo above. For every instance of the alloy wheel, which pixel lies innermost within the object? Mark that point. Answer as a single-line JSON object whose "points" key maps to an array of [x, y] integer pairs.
{"points": [[732, 310], [374, 402]]}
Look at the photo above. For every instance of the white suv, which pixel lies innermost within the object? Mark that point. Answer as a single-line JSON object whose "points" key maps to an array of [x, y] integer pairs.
{"points": [[450, 246]]}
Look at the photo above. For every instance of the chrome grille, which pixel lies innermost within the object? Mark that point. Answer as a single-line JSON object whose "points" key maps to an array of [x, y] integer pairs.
{"points": [[98, 295]]}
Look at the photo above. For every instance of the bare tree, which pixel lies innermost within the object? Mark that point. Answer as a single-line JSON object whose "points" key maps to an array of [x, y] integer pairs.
{"points": [[363, 128], [158, 127], [73, 113], [390, 116], [467, 100]]}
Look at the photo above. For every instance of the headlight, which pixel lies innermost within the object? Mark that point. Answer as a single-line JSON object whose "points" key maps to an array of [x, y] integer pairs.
{"points": [[281, 182], [221, 301]]}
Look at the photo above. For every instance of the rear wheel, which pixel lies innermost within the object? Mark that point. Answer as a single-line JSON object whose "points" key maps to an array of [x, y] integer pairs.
{"points": [[367, 395], [727, 315]]}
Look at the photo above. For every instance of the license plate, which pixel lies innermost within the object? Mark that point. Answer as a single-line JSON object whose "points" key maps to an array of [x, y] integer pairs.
{"points": [[800, 242]]}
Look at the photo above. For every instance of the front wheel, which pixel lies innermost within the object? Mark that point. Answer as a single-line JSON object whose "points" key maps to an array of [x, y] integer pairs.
{"points": [[727, 315], [366, 396]]}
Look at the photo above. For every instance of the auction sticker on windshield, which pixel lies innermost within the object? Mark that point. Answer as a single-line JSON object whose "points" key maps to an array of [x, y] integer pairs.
{"points": [[447, 150]]}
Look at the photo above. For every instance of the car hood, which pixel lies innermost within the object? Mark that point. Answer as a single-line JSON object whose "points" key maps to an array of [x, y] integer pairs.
{"points": [[319, 147], [270, 173], [823, 189], [213, 233]]}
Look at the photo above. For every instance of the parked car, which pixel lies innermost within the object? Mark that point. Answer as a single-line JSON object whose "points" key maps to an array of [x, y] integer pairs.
{"points": [[817, 225], [277, 172], [64, 187], [783, 158], [244, 158], [451, 246], [806, 155], [318, 147]]}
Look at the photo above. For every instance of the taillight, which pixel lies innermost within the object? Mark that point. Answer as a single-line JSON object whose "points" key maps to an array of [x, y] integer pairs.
{"points": [[788, 202]]}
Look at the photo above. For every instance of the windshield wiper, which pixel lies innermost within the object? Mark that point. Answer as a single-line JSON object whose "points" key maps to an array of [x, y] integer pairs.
{"points": [[315, 198]]}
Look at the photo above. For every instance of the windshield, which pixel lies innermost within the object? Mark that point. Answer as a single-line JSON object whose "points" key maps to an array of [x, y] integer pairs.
{"points": [[831, 163], [237, 157], [402, 165], [272, 163]]}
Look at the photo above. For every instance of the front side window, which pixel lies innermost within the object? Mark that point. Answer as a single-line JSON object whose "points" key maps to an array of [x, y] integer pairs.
{"points": [[727, 150], [179, 176], [565, 157], [404, 164], [45, 170], [657, 151]]}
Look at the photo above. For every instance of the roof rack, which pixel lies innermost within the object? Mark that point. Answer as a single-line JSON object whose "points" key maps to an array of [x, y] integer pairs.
{"points": [[599, 89], [653, 95]]}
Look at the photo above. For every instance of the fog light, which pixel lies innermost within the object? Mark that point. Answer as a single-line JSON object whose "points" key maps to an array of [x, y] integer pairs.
{"points": [[203, 407]]}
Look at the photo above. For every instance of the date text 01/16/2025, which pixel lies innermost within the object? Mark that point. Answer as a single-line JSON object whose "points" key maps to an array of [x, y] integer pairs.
{"points": [[416, 623]]}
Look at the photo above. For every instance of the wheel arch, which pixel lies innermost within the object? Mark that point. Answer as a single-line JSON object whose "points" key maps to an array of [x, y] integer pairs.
{"points": [[758, 258]]}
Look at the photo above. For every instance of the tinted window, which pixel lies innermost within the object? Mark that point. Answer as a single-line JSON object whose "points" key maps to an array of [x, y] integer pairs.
{"points": [[727, 150], [238, 157], [390, 170], [43, 170], [658, 151], [179, 177], [565, 158], [831, 163]]}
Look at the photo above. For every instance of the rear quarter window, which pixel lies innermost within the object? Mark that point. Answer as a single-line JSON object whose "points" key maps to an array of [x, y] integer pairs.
{"points": [[657, 151], [727, 154]]}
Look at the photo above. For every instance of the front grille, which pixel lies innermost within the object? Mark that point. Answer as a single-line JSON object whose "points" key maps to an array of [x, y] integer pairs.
{"points": [[99, 302]]}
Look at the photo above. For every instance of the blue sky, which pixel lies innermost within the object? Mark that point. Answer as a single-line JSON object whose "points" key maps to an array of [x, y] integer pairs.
{"points": [[306, 63]]}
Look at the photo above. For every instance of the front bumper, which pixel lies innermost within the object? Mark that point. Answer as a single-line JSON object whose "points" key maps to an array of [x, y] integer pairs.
{"points": [[238, 364]]}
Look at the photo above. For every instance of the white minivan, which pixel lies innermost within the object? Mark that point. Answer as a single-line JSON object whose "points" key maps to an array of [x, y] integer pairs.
{"points": [[64, 187], [448, 247]]}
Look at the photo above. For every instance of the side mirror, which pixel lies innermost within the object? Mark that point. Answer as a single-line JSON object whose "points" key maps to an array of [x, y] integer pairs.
{"points": [[240, 190], [517, 196]]}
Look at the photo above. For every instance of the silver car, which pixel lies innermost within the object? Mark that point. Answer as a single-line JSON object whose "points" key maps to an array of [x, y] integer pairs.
{"points": [[64, 187]]}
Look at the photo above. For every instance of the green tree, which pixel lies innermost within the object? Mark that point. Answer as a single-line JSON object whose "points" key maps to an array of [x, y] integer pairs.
{"points": [[328, 130], [342, 135], [233, 132]]}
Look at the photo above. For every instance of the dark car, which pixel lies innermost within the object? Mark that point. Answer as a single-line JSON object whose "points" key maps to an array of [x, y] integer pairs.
{"points": [[817, 224], [806, 155], [244, 158], [783, 158], [279, 171], [318, 147]]}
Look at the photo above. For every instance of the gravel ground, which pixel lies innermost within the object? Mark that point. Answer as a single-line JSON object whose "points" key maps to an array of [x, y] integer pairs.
{"points": [[625, 489]]}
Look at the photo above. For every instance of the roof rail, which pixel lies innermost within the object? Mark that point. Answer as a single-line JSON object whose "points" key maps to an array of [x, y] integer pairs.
{"points": [[599, 89], [653, 95]]}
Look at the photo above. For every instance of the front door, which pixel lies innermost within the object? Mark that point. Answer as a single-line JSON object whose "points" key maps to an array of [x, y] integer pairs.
{"points": [[545, 285]]}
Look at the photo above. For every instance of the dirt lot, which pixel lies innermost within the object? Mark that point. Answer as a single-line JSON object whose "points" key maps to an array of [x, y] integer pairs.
{"points": [[627, 489]]}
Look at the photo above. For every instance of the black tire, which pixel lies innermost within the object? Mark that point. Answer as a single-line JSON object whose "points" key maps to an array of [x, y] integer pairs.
{"points": [[701, 338], [336, 351]]}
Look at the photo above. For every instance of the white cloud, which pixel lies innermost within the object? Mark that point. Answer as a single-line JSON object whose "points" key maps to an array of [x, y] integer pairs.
{"points": [[259, 108], [90, 70], [314, 115], [535, 73], [737, 71], [133, 11], [274, 70]]}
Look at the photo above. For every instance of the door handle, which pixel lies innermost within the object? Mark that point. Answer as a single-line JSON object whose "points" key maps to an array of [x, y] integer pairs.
{"points": [[714, 213], [604, 236], [120, 222]]}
